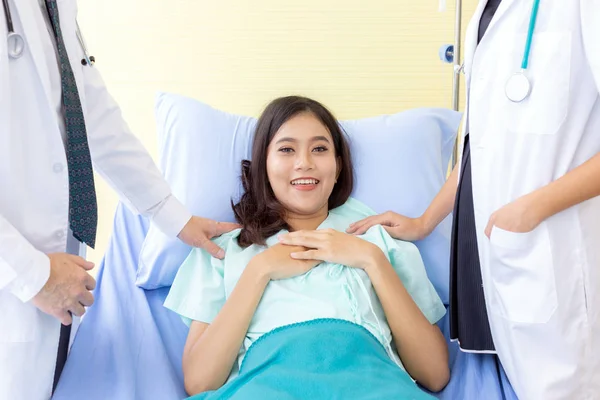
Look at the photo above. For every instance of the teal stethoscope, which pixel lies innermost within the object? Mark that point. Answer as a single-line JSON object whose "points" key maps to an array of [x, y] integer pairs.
{"points": [[518, 86], [16, 43]]}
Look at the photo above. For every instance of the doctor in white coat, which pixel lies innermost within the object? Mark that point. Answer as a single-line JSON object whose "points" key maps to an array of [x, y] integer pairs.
{"points": [[533, 123], [52, 119]]}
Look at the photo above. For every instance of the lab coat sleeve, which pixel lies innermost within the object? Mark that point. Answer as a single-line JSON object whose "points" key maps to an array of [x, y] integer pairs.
{"points": [[24, 270], [590, 30], [120, 158]]}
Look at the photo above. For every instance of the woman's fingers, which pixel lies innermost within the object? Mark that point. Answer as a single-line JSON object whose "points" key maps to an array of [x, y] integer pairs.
{"points": [[307, 255], [308, 239]]}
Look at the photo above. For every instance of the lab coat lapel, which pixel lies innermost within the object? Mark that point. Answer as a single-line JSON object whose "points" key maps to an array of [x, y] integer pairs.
{"points": [[27, 12], [503, 8], [471, 44], [469, 54], [473, 31], [471, 37]]}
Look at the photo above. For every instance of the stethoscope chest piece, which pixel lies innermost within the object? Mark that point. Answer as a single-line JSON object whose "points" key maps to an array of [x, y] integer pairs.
{"points": [[14, 41], [16, 45], [518, 87]]}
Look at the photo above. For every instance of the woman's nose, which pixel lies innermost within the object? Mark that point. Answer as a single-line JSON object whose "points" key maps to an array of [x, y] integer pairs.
{"points": [[304, 161]]}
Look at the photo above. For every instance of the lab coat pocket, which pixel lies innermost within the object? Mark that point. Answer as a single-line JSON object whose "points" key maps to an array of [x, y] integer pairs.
{"points": [[549, 73], [522, 272]]}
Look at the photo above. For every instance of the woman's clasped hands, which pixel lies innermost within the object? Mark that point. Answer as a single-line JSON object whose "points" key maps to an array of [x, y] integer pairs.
{"points": [[300, 251], [332, 246]]}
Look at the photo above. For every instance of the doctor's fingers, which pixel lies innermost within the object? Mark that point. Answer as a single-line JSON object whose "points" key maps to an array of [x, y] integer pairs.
{"points": [[82, 262], [360, 227], [212, 248], [490, 225], [221, 228], [89, 282], [86, 299], [77, 309], [64, 317], [395, 232]]}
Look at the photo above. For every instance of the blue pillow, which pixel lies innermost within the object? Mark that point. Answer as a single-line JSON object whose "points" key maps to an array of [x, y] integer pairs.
{"points": [[400, 163]]}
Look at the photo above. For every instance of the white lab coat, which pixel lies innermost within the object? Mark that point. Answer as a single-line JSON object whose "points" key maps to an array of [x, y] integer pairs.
{"points": [[34, 190], [542, 288]]}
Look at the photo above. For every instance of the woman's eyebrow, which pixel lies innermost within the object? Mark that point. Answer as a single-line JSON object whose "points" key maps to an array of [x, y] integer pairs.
{"points": [[293, 140]]}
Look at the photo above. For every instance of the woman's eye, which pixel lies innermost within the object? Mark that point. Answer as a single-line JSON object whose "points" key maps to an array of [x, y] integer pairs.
{"points": [[286, 150], [320, 149]]}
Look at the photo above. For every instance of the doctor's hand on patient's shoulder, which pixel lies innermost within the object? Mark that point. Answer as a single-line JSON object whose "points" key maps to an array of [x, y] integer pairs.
{"points": [[398, 226], [67, 289], [198, 232], [333, 246], [275, 263], [520, 216]]}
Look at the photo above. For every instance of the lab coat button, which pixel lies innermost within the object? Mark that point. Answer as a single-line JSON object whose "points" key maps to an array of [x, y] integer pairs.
{"points": [[58, 167], [60, 234]]}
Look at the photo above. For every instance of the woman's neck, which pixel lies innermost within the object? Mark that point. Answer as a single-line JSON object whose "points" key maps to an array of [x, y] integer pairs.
{"points": [[307, 222]]}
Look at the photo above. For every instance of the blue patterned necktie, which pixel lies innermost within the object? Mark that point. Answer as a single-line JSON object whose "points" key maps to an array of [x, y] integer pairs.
{"points": [[83, 210]]}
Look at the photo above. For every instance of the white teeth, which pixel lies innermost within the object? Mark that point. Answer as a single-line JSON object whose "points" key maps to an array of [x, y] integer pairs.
{"points": [[305, 182]]}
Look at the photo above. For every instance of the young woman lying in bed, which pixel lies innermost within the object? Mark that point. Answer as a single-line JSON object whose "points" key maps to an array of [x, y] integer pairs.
{"points": [[298, 309]]}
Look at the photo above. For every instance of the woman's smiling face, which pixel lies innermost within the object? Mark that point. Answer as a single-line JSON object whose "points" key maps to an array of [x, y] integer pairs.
{"points": [[302, 166]]}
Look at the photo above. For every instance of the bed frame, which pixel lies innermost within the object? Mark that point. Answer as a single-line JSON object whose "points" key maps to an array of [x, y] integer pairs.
{"points": [[451, 54]]}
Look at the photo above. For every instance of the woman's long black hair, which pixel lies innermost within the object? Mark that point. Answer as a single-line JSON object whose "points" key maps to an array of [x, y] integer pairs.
{"points": [[258, 211]]}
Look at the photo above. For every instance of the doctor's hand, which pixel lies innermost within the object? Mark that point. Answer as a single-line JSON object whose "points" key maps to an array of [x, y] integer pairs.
{"points": [[398, 226], [67, 289], [198, 232], [520, 216]]}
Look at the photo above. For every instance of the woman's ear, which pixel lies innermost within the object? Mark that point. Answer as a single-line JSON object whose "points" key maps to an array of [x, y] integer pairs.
{"points": [[338, 161]]}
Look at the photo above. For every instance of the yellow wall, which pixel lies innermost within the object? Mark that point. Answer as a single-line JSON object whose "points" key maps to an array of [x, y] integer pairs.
{"points": [[361, 58]]}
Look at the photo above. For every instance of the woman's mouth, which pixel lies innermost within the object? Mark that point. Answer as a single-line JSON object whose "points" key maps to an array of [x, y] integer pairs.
{"points": [[305, 183]]}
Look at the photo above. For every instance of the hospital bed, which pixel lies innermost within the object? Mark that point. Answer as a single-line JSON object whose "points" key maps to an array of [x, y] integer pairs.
{"points": [[129, 346]]}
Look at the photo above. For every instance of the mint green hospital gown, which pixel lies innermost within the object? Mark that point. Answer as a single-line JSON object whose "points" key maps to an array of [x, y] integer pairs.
{"points": [[204, 283]]}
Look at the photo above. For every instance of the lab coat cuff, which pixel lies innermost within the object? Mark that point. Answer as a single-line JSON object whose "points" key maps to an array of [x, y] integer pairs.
{"points": [[171, 217], [31, 278]]}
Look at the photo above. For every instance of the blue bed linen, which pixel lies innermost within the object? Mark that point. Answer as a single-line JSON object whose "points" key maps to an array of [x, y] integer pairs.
{"points": [[322, 359], [129, 346]]}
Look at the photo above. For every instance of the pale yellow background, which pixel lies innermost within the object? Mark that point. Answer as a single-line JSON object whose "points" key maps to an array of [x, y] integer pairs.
{"points": [[361, 58]]}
